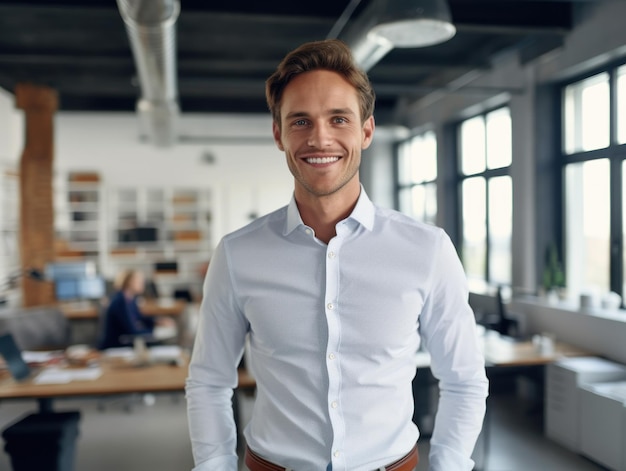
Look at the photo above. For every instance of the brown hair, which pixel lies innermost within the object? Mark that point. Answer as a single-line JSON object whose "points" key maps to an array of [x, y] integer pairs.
{"points": [[329, 54]]}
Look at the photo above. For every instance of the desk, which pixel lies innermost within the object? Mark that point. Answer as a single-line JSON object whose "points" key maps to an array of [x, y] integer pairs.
{"points": [[152, 307], [156, 378], [500, 351]]}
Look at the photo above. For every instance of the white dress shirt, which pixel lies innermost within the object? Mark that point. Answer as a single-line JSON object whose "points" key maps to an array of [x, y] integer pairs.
{"points": [[334, 330]]}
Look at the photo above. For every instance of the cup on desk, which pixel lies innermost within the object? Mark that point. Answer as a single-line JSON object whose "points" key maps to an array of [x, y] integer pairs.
{"points": [[140, 349], [544, 343]]}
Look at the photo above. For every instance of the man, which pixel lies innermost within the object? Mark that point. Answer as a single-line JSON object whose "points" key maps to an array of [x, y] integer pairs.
{"points": [[336, 296]]}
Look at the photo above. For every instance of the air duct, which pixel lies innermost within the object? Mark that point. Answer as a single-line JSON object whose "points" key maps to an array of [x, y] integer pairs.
{"points": [[151, 28]]}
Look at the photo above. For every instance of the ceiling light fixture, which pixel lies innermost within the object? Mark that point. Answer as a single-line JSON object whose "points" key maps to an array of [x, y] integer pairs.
{"points": [[413, 23], [384, 25]]}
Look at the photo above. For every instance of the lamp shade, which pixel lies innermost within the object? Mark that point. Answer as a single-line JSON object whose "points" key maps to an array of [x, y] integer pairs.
{"points": [[413, 23]]}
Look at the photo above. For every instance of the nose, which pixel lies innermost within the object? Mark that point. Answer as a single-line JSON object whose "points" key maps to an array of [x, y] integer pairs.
{"points": [[320, 136]]}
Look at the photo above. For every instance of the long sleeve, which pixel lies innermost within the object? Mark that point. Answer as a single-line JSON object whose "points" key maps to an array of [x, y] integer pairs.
{"points": [[449, 332], [213, 371]]}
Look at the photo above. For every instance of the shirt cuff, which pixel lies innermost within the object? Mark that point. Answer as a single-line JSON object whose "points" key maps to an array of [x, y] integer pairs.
{"points": [[443, 458], [223, 463]]}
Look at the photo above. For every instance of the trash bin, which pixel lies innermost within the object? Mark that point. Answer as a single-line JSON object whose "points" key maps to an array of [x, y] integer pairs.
{"points": [[43, 441]]}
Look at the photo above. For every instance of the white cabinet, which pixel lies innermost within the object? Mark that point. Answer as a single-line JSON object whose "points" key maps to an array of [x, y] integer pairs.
{"points": [[562, 395], [603, 419]]}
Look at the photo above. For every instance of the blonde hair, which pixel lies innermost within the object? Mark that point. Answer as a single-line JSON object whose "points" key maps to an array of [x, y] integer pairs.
{"points": [[124, 279]]}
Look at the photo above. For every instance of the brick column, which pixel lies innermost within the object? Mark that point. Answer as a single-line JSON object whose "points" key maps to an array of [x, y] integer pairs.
{"points": [[36, 198]]}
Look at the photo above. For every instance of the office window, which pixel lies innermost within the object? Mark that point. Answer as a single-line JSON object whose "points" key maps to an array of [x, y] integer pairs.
{"points": [[587, 114], [594, 169], [417, 175], [588, 225], [486, 198]]}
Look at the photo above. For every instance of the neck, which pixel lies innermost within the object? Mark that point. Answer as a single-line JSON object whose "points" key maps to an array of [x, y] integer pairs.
{"points": [[323, 213]]}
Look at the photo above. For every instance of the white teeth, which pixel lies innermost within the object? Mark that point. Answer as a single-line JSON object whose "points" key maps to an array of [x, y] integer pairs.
{"points": [[322, 160]]}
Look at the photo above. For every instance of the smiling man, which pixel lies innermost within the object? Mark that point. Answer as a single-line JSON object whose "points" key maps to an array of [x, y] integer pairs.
{"points": [[337, 296]]}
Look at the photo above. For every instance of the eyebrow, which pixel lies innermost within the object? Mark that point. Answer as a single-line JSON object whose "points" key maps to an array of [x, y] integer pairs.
{"points": [[331, 112]]}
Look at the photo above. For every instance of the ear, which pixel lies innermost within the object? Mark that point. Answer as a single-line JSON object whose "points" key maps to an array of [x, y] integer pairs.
{"points": [[368, 132], [276, 133]]}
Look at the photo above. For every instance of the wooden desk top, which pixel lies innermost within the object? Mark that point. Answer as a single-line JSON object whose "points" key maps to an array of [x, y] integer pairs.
{"points": [[114, 380], [503, 351], [162, 307], [80, 311]]}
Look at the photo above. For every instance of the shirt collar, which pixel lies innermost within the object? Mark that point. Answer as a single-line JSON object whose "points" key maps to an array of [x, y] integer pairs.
{"points": [[363, 213]]}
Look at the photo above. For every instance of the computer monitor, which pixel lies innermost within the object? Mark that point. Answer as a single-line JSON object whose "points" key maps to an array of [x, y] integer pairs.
{"points": [[64, 270], [69, 289]]}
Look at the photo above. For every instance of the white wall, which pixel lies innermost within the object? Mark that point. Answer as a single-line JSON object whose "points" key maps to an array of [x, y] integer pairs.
{"points": [[249, 174]]}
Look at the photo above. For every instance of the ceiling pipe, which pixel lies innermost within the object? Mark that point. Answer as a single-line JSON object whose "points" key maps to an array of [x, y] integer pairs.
{"points": [[151, 29]]}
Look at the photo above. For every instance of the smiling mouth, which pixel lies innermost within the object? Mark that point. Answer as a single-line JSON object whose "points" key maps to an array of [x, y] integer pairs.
{"points": [[321, 160]]}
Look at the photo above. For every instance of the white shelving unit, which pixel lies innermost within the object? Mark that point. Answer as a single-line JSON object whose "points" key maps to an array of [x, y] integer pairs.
{"points": [[136, 227], [9, 225], [151, 225], [80, 217]]}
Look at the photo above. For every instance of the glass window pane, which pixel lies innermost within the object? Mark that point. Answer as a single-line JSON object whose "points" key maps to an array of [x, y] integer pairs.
{"points": [[472, 145], [586, 114], [404, 163], [426, 149], [621, 105], [500, 229], [420, 202], [588, 223], [499, 138], [430, 203], [474, 227], [405, 198], [417, 159], [595, 115]]}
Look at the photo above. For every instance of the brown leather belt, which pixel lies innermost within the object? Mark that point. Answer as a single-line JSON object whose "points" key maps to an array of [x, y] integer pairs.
{"points": [[255, 463]]}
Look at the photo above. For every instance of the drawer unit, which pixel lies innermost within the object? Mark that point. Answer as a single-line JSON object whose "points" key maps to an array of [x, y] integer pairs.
{"points": [[562, 398], [603, 420]]}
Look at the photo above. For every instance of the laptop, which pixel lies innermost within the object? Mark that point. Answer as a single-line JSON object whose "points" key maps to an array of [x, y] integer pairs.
{"points": [[15, 363]]}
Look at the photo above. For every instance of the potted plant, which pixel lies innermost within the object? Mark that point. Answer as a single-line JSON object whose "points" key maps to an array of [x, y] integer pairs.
{"points": [[553, 281]]}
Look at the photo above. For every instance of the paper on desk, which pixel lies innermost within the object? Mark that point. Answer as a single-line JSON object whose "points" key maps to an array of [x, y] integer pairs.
{"points": [[62, 376], [30, 356], [165, 352], [120, 352]]}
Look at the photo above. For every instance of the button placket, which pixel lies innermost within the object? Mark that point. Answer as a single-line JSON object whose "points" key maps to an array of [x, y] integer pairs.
{"points": [[333, 363]]}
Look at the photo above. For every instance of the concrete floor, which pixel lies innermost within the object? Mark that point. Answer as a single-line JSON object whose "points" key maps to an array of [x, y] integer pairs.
{"points": [[155, 437]]}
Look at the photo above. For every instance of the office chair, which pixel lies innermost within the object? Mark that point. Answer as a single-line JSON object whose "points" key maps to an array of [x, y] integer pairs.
{"points": [[501, 322]]}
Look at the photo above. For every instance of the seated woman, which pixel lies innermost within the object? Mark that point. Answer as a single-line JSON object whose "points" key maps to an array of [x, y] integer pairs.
{"points": [[123, 317]]}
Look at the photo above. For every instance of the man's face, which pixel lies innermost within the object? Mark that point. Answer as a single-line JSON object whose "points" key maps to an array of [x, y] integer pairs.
{"points": [[321, 133]]}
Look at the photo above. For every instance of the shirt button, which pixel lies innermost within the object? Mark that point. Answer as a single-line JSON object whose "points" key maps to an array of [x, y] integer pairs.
{"points": [[330, 306], [331, 356], [336, 454], [331, 254], [334, 404], [308, 231]]}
